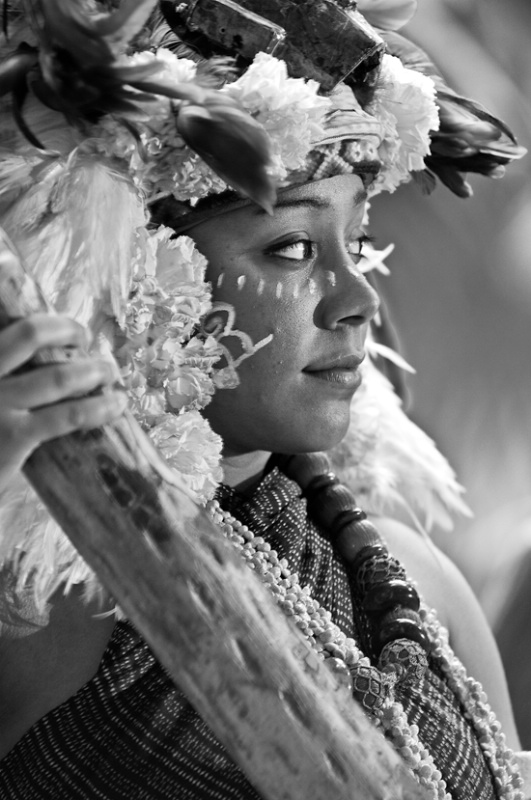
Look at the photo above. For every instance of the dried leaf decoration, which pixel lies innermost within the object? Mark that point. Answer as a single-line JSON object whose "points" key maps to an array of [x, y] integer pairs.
{"points": [[75, 70], [232, 143]]}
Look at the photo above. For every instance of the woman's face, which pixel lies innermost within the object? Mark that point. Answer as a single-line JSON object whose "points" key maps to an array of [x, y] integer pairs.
{"points": [[294, 275]]}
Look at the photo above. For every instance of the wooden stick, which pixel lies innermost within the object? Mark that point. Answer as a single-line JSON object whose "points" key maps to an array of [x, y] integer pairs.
{"points": [[295, 732]]}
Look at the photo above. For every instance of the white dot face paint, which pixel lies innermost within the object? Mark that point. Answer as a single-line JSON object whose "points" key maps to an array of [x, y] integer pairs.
{"points": [[219, 281], [291, 397]]}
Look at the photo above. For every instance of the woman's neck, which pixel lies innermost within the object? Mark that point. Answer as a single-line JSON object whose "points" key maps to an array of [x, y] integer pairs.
{"points": [[242, 471]]}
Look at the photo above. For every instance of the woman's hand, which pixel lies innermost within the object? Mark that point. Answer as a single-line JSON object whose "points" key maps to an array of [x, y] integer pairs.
{"points": [[44, 403]]}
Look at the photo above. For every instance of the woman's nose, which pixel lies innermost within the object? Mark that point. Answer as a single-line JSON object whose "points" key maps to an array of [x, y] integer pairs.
{"points": [[349, 298]]}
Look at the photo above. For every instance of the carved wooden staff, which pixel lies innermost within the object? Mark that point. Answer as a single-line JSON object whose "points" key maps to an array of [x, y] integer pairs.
{"points": [[279, 711]]}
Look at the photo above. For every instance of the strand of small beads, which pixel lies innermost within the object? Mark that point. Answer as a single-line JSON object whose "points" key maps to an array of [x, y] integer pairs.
{"points": [[473, 699], [399, 657]]}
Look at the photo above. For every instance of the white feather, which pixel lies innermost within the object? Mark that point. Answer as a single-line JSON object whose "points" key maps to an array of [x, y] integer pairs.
{"points": [[390, 464]]}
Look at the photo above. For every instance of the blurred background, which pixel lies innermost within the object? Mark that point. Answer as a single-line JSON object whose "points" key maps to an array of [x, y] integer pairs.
{"points": [[460, 298]]}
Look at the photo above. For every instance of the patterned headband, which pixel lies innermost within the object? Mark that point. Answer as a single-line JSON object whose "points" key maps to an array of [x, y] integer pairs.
{"points": [[347, 142]]}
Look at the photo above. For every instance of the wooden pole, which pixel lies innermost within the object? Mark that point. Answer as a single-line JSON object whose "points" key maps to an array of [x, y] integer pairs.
{"points": [[295, 732]]}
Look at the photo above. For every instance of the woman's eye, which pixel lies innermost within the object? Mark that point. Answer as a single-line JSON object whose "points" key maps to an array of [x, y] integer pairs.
{"points": [[355, 248], [301, 250]]}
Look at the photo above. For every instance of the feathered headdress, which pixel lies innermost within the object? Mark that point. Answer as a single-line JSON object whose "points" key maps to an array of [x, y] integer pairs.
{"points": [[108, 115]]}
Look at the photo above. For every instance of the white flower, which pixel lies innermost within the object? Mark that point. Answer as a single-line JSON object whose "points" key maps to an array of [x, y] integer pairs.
{"points": [[290, 109], [193, 449], [168, 370], [175, 261], [404, 101], [188, 386]]}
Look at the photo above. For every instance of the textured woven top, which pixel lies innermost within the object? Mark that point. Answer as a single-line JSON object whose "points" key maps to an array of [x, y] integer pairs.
{"points": [[129, 734]]}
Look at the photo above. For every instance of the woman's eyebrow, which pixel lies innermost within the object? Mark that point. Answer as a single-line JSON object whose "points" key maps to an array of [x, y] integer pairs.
{"points": [[312, 202]]}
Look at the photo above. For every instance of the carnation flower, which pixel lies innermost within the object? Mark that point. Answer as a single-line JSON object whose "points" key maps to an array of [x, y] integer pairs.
{"points": [[192, 448], [168, 370], [188, 386], [404, 102], [290, 109]]}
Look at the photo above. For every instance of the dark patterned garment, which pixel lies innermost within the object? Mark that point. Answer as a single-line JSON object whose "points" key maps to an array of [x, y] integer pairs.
{"points": [[129, 734]]}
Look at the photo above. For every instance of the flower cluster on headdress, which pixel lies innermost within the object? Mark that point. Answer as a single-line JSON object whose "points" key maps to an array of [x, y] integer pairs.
{"points": [[167, 369], [404, 102], [292, 112], [290, 109], [169, 355]]}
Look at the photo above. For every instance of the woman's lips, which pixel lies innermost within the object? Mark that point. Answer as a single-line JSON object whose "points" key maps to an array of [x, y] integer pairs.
{"points": [[348, 378], [341, 370]]}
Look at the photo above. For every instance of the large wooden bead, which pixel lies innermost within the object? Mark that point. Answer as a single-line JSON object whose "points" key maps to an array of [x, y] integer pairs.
{"points": [[357, 542], [303, 468], [317, 494], [392, 593], [326, 501], [402, 628]]}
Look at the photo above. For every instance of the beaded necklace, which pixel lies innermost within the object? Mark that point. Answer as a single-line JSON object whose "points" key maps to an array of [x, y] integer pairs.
{"points": [[397, 631]]}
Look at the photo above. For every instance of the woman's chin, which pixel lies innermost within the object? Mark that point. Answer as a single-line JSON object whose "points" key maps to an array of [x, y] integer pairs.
{"points": [[318, 440]]}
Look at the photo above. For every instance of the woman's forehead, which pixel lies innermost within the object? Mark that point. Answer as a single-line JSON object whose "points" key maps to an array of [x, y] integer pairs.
{"points": [[342, 191], [341, 198]]}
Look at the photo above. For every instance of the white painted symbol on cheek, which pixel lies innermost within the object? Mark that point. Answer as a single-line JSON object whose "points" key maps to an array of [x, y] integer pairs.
{"points": [[220, 279], [241, 282], [331, 277], [279, 290], [311, 285], [261, 285], [296, 290]]}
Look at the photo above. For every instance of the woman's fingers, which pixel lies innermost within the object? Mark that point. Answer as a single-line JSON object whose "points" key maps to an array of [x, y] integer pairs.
{"points": [[50, 400], [72, 415], [55, 382], [20, 341]]}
